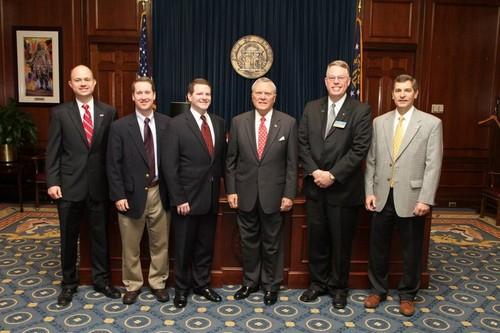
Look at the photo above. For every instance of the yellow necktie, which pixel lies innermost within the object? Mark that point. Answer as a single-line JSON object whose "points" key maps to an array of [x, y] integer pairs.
{"points": [[398, 138]]}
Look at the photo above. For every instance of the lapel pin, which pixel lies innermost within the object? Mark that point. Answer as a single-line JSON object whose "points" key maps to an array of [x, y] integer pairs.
{"points": [[275, 125]]}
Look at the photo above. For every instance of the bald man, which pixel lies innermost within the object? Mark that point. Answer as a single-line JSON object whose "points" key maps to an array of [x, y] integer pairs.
{"points": [[76, 179]]}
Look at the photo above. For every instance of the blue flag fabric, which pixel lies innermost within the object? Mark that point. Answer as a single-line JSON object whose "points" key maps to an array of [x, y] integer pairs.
{"points": [[143, 48], [356, 80]]}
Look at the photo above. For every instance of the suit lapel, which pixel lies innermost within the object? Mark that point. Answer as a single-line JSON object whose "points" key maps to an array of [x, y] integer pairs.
{"points": [[98, 119], [250, 128], [411, 130], [273, 131], [344, 113], [322, 116], [388, 125], [74, 114], [193, 126], [135, 134]]}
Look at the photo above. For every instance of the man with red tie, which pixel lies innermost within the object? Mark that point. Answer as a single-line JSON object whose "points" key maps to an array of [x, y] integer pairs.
{"points": [[261, 181], [76, 178], [192, 165]]}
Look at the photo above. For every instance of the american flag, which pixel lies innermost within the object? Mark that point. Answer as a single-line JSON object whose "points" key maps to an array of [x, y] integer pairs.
{"points": [[357, 65], [143, 48]]}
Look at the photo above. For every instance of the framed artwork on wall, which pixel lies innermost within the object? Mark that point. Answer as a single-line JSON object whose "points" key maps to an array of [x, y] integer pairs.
{"points": [[39, 64]]}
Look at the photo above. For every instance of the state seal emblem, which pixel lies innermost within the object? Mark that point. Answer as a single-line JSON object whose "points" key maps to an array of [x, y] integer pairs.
{"points": [[251, 56]]}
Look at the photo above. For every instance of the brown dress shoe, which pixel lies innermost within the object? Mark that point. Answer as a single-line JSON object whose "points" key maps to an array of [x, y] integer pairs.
{"points": [[130, 296], [372, 301], [160, 294], [407, 308]]}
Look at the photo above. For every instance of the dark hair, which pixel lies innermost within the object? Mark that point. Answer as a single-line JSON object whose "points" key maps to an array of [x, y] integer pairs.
{"points": [[143, 79], [190, 88], [404, 78]]}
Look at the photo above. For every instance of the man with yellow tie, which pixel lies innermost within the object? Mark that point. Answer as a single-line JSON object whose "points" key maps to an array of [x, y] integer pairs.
{"points": [[401, 178]]}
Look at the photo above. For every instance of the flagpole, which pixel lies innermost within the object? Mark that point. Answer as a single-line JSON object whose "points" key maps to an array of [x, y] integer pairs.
{"points": [[360, 5]]}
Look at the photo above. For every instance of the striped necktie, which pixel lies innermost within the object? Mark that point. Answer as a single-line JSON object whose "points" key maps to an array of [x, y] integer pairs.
{"points": [[87, 124]]}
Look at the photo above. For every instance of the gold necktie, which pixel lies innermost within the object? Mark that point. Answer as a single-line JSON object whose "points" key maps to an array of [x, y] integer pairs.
{"points": [[398, 138]]}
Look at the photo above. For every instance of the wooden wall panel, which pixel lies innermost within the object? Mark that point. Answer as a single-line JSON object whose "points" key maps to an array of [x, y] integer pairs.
{"points": [[113, 18], [381, 67], [115, 66], [393, 21]]}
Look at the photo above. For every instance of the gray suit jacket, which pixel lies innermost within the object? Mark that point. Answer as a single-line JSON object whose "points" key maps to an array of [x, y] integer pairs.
{"points": [[417, 165], [271, 178]]}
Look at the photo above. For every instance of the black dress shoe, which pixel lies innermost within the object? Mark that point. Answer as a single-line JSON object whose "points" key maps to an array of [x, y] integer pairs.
{"points": [[339, 301], [65, 296], [209, 294], [160, 294], [130, 297], [180, 299], [310, 295], [108, 291], [270, 297], [244, 292]]}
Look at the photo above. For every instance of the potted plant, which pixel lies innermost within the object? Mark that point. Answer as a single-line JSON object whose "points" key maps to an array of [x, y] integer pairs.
{"points": [[16, 129]]}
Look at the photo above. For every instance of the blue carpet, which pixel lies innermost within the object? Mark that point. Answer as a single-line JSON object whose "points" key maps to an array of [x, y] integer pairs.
{"points": [[463, 295]]}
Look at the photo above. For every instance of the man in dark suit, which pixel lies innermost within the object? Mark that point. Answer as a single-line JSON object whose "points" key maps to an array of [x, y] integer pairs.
{"points": [[261, 182], [401, 179], [76, 178], [139, 192], [334, 137], [193, 165]]}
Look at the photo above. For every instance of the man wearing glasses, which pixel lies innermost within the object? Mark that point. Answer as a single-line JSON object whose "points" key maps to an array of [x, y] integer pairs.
{"points": [[334, 137]]}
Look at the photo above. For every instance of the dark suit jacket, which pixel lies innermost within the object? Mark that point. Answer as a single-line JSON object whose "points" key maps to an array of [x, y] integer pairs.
{"points": [[271, 178], [127, 165], [340, 153], [192, 175], [70, 163]]}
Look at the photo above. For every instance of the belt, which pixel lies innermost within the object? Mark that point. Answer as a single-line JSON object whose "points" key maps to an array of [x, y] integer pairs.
{"points": [[154, 183]]}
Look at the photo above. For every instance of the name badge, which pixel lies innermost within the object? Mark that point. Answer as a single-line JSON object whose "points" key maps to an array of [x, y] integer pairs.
{"points": [[339, 124]]}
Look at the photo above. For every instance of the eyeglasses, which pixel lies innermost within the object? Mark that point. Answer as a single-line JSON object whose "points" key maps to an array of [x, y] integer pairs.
{"points": [[336, 78]]}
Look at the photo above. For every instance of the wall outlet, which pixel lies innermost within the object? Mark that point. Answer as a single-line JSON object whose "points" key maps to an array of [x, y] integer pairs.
{"points": [[437, 108], [452, 204]]}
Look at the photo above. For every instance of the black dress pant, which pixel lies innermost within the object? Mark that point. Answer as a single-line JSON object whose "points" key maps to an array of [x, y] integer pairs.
{"points": [[330, 231], [411, 233], [194, 243], [95, 217], [261, 248]]}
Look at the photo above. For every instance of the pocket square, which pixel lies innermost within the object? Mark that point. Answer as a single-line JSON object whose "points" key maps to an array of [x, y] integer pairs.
{"points": [[282, 138]]}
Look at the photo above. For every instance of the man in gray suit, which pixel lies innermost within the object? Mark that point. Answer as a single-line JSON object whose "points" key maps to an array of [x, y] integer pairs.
{"points": [[402, 175], [261, 179]]}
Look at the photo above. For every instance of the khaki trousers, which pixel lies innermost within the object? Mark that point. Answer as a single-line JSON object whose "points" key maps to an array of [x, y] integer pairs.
{"points": [[157, 222]]}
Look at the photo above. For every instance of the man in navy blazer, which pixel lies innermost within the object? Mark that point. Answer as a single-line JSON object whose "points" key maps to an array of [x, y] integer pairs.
{"points": [[334, 137], [261, 182], [76, 178], [193, 165], [139, 191]]}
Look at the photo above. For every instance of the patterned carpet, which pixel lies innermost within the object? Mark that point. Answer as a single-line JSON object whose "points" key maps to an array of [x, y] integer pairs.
{"points": [[463, 295]]}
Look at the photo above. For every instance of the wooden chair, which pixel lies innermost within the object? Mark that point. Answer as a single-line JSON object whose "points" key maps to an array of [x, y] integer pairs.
{"points": [[40, 179], [490, 196]]}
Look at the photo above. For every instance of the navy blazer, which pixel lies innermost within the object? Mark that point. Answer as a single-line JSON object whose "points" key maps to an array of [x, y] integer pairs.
{"points": [[128, 170]]}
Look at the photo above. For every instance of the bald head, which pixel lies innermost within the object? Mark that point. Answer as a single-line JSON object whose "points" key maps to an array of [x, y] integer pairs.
{"points": [[82, 82]]}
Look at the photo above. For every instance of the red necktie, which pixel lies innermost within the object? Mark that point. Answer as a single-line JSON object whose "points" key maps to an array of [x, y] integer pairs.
{"points": [[262, 137], [150, 148], [87, 124], [207, 135]]}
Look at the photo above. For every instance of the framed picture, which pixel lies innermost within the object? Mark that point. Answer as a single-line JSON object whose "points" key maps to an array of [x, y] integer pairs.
{"points": [[39, 63]]}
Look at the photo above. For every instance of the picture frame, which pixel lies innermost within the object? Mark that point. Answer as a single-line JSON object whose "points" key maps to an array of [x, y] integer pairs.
{"points": [[38, 65]]}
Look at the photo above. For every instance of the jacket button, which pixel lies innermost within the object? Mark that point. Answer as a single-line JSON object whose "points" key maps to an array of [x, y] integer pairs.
{"points": [[146, 188], [147, 175], [388, 179], [390, 164]]}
